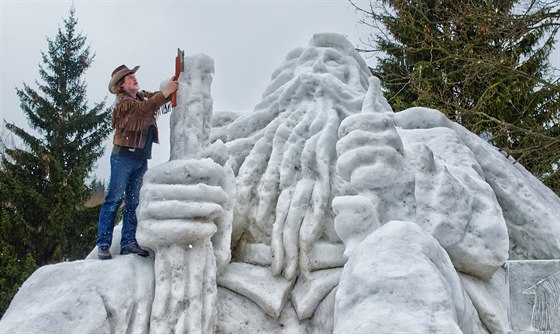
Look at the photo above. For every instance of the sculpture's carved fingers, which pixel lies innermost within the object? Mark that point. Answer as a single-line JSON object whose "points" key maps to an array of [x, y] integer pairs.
{"points": [[359, 138], [185, 172], [371, 122], [173, 209], [368, 164], [185, 192]]}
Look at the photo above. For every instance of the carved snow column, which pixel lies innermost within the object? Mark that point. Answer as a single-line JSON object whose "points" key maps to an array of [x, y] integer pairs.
{"points": [[178, 229]]}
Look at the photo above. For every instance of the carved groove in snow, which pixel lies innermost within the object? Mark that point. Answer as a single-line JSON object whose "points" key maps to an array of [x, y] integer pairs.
{"points": [[546, 307]]}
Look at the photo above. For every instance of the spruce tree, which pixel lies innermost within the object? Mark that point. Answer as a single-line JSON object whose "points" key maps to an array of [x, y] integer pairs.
{"points": [[485, 64], [43, 184]]}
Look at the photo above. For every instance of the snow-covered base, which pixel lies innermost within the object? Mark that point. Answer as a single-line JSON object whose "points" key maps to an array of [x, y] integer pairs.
{"points": [[88, 296], [394, 286]]}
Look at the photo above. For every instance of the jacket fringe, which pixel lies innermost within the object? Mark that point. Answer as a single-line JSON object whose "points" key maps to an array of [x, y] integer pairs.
{"points": [[130, 121]]}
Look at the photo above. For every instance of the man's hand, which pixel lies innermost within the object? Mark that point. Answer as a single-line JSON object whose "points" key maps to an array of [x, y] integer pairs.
{"points": [[171, 87]]}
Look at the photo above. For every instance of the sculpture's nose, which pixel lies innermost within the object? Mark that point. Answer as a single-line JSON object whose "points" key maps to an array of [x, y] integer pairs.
{"points": [[319, 67]]}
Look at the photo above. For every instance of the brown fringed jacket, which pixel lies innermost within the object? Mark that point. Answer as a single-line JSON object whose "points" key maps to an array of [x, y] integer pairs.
{"points": [[132, 117]]}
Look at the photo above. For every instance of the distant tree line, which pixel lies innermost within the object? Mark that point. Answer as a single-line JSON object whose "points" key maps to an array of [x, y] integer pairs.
{"points": [[43, 191], [484, 64]]}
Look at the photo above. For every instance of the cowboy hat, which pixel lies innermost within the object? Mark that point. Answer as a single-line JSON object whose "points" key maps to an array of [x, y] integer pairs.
{"points": [[119, 73]]}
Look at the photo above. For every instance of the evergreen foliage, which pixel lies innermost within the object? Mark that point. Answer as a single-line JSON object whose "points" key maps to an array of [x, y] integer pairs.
{"points": [[485, 64], [42, 186]]}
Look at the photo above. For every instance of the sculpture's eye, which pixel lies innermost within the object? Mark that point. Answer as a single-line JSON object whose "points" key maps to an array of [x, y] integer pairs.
{"points": [[332, 62], [333, 58]]}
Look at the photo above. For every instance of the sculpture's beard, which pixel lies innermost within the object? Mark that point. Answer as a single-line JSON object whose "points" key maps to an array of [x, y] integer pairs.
{"points": [[286, 166]]}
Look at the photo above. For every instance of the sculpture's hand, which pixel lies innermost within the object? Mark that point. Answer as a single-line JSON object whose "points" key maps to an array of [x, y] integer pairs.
{"points": [[372, 158], [184, 200], [183, 189], [370, 152]]}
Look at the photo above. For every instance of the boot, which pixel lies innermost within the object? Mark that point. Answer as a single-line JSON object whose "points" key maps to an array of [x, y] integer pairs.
{"points": [[133, 248], [103, 253]]}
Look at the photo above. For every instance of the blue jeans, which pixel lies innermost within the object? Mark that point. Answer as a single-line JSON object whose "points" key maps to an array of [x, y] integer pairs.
{"points": [[126, 179]]}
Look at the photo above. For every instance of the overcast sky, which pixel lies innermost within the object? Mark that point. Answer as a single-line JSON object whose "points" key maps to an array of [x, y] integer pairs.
{"points": [[247, 40]]}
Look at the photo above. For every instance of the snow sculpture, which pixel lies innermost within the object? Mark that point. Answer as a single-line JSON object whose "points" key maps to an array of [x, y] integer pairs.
{"points": [[182, 206], [397, 170], [339, 214]]}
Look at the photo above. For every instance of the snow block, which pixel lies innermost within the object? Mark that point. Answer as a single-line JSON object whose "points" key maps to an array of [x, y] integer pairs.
{"points": [[534, 296]]}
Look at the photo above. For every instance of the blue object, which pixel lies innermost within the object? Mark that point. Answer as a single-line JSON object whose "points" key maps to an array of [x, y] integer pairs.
{"points": [[125, 181]]}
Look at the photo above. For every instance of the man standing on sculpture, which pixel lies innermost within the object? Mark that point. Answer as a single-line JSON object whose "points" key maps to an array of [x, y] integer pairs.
{"points": [[134, 120]]}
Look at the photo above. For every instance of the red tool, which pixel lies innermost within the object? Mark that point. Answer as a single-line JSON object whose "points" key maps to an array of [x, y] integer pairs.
{"points": [[179, 67]]}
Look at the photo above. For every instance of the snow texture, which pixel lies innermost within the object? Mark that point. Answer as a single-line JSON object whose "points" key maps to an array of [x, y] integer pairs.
{"points": [[320, 211]]}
